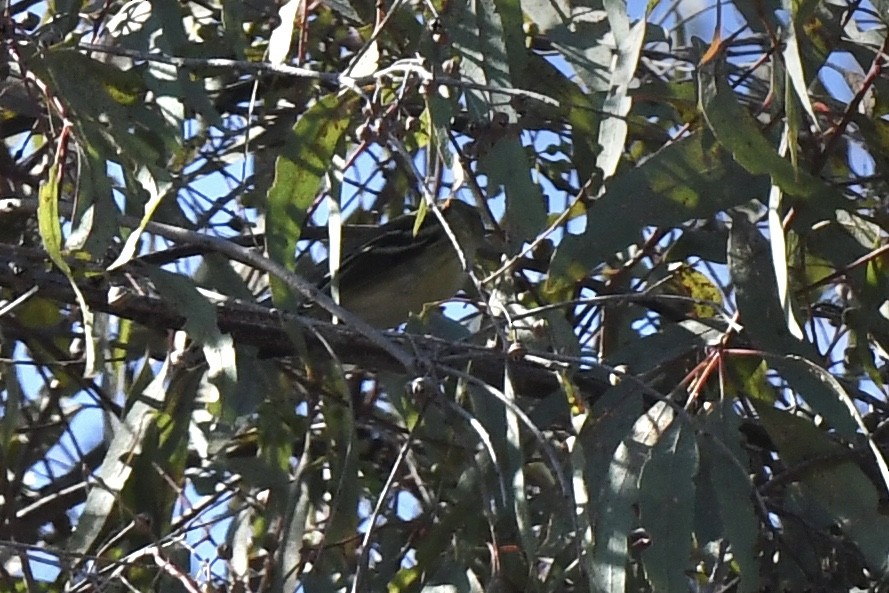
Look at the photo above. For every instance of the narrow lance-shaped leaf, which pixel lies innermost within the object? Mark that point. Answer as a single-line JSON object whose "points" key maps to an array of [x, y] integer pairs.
{"points": [[480, 35], [683, 181], [613, 131], [117, 466], [733, 490], [282, 35], [666, 503], [201, 326], [299, 175], [51, 235], [736, 129], [619, 496], [292, 551], [794, 64], [779, 263], [511, 30], [344, 486], [582, 490], [155, 196], [762, 317], [756, 288], [507, 164], [516, 467]]}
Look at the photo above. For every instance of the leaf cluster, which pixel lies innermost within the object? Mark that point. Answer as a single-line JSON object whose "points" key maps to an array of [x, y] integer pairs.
{"points": [[666, 372]]}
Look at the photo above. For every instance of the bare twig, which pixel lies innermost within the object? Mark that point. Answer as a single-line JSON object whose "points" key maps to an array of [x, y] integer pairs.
{"points": [[404, 67]]}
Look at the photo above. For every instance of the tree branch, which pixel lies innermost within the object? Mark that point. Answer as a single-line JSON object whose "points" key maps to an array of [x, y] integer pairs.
{"points": [[127, 293]]}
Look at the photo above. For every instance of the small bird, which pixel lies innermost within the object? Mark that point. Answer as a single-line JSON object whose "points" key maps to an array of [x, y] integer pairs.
{"points": [[398, 272]]}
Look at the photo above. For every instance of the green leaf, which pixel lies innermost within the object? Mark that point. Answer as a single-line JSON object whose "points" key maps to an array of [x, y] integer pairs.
{"points": [[686, 281], [581, 36], [834, 392], [673, 343], [48, 219], [666, 504], [748, 376], [344, 489], [436, 548], [155, 198], [619, 496], [219, 273], [546, 15], [507, 164], [725, 466], [807, 379], [488, 46], [346, 9], [763, 319], [118, 130], [51, 235], [600, 433], [12, 417], [706, 243], [95, 225], [613, 130], [736, 129], [578, 107], [299, 176], [177, 89], [684, 181], [201, 326], [612, 417], [756, 291], [299, 506], [794, 65], [832, 480], [117, 466], [760, 16], [452, 577], [510, 29], [516, 468]]}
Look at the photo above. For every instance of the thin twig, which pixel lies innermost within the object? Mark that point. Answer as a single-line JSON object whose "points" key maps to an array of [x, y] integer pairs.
{"points": [[405, 67]]}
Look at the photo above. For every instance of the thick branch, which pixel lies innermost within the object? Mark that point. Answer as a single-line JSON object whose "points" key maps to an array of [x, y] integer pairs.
{"points": [[250, 324]]}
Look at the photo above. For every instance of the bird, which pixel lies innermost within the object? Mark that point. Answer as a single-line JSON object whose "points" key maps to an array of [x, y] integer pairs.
{"points": [[399, 271]]}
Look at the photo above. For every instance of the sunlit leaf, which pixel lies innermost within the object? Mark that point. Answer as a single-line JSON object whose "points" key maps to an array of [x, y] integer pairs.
{"points": [[117, 467], [666, 504], [281, 36], [726, 462], [683, 181], [488, 46], [299, 175], [620, 494], [201, 326], [51, 235], [613, 131]]}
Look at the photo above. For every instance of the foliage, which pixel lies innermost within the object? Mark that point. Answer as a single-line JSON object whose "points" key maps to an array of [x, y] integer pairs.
{"points": [[666, 373]]}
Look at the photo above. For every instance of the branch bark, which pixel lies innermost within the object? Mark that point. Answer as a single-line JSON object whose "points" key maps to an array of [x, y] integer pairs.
{"points": [[127, 293]]}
